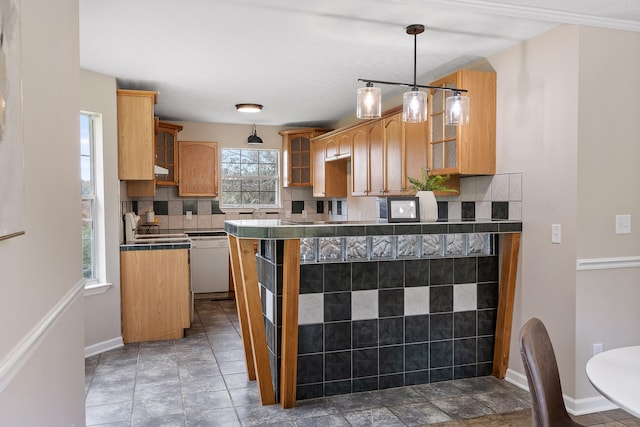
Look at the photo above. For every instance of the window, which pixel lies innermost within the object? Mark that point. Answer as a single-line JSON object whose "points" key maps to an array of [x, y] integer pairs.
{"points": [[250, 178], [89, 195]]}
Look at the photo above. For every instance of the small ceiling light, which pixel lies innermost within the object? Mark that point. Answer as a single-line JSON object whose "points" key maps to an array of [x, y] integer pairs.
{"points": [[254, 138], [249, 108], [414, 102]]}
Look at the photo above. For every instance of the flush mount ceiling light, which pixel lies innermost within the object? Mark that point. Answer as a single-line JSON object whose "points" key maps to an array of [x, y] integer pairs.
{"points": [[254, 138], [414, 102], [249, 108]]}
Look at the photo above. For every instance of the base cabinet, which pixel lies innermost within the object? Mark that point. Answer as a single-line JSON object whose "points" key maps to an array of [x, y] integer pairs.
{"points": [[155, 294]]}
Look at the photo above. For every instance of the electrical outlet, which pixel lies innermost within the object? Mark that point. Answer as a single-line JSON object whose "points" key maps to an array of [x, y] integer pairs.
{"points": [[556, 233], [597, 348], [623, 224]]}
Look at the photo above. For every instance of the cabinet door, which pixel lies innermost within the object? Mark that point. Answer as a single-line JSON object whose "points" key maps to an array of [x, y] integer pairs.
{"points": [[136, 134], [360, 161], [394, 155], [198, 168], [415, 145], [318, 152], [344, 144], [167, 152], [155, 294], [300, 160], [375, 138], [331, 148], [443, 138]]}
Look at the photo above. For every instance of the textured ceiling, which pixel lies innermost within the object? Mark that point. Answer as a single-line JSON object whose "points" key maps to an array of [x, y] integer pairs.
{"points": [[301, 59]]}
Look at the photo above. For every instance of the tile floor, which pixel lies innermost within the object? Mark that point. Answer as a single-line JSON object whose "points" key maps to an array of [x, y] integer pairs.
{"points": [[200, 380]]}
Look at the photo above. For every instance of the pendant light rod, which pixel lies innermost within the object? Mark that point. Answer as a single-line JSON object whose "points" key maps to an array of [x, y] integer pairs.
{"points": [[448, 89], [415, 29]]}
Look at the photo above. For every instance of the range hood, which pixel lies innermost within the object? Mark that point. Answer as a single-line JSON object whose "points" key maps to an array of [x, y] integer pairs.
{"points": [[159, 170]]}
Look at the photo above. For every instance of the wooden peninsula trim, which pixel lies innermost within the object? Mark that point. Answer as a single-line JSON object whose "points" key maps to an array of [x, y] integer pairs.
{"points": [[242, 249], [290, 293], [508, 273]]}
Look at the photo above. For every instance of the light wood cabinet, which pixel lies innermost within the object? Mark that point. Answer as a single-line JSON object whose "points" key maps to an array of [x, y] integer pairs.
{"points": [[136, 134], [388, 156], [297, 165], [338, 147], [360, 137], [155, 294], [465, 148], [329, 177], [167, 152], [198, 168]]}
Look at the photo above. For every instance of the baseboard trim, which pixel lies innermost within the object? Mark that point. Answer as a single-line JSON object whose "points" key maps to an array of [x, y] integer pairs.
{"points": [[13, 362], [587, 405], [607, 263], [103, 346]]}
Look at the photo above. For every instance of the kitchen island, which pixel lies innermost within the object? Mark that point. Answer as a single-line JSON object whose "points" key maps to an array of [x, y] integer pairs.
{"points": [[339, 307]]}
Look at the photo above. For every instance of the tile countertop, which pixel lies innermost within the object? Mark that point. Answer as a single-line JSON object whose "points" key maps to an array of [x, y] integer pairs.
{"points": [[287, 229]]}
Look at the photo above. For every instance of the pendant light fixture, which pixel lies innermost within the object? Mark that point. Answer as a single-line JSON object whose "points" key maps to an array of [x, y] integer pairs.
{"points": [[254, 138], [414, 102]]}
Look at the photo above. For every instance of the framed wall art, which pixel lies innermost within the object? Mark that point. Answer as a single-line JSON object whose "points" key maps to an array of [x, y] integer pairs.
{"points": [[403, 209], [12, 196]]}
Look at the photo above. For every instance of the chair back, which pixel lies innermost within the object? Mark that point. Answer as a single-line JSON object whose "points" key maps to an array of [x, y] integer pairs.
{"points": [[547, 404]]}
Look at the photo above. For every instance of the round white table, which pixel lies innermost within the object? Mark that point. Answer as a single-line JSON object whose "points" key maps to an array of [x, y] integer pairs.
{"points": [[616, 375]]}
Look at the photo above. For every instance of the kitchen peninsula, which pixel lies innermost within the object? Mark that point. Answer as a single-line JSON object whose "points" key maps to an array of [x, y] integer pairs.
{"points": [[339, 307]]}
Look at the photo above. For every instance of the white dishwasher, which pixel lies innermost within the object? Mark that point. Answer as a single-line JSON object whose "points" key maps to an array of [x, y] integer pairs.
{"points": [[209, 262]]}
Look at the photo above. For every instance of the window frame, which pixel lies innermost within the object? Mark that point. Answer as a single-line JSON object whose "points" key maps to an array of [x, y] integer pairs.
{"points": [[98, 282], [276, 177]]}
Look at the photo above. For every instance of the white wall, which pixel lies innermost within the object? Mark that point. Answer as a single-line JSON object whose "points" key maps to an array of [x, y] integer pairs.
{"points": [[608, 300], [41, 305], [102, 310], [567, 122], [537, 134]]}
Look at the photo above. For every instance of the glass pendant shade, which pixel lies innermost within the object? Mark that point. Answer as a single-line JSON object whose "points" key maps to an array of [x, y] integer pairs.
{"points": [[457, 110], [369, 103], [414, 107]]}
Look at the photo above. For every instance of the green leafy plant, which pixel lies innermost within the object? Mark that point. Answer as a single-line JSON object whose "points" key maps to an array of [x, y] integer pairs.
{"points": [[428, 182]]}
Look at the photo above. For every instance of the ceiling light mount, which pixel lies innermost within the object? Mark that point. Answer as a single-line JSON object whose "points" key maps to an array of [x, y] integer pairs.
{"points": [[414, 102], [249, 108]]}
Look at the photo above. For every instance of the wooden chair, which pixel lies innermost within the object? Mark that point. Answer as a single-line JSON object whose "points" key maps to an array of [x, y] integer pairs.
{"points": [[547, 404]]}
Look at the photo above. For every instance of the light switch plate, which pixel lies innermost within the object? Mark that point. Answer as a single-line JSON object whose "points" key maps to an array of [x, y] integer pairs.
{"points": [[188, 215], [556, 233], [623, 224]]}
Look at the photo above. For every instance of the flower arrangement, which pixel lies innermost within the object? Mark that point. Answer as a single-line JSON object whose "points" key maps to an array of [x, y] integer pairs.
{"points": [[428, 182]]}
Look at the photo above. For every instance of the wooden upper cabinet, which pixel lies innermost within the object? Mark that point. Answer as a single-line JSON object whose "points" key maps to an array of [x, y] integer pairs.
{"points": [[329, 177], [167, 152], [297, 168], [136, 134], [338, 147], [415, 146], [318, 148], [394, 164], [198, 168], [360, 160], [464, 148]]}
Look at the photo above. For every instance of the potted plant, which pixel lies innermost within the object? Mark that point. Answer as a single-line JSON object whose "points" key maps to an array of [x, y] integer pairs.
{"points": [[424, 187]]}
